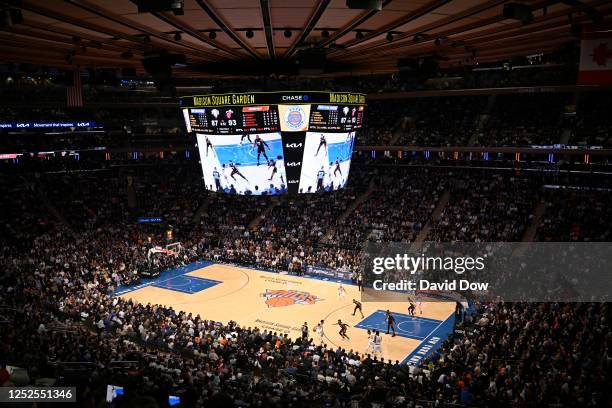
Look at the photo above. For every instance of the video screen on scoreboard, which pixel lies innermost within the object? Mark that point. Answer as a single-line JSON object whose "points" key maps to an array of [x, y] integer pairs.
{"points": [[276, 142], [326, 161], [249, 164]]}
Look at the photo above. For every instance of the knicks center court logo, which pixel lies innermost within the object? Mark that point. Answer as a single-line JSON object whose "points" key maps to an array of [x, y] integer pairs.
{"points": [[295, 117], [282, 297]]}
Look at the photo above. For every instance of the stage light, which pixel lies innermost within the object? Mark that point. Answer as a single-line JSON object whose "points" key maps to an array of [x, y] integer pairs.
{"points": [[288, 33], [325, 34], [177, 37], [250, 34], [389, 37], [359, 35], [212, 35]]}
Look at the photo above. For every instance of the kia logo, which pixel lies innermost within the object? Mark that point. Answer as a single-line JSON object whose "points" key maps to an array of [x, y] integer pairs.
{"points": [[294, 164], [293, 145]]}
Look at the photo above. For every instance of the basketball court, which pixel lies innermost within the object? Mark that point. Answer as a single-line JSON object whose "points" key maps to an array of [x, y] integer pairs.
{"points": [[282, 303]]}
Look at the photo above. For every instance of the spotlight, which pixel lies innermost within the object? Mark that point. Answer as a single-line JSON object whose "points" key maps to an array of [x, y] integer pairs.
{"points": [[249, 34], [325, 34], [177, 36], [288, 33], [389, 37], [212, 35], [359, 35]]}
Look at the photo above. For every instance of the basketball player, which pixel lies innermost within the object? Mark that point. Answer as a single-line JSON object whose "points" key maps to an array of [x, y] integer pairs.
{"points": [[272, 164], [217, 177], [261, 148], [320, 177], [341, 292], [322, 143], [247, 137], [370, 348], [235, 170], [208, 144], [337, 169], [305, 331], [357, 307], [378, 343], [390, 323], [319, 331], [411, 308], [343, 327]]}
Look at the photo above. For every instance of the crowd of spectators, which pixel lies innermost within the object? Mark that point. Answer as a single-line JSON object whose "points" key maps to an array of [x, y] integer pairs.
{"points": [[71, 240], [447, 121]]}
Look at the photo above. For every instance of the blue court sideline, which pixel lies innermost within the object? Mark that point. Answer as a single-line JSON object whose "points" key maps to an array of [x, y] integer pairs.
{"points": [[412, 327]]}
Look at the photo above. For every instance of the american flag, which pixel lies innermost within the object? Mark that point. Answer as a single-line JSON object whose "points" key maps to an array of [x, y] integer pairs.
{"points": [[74, 92]]}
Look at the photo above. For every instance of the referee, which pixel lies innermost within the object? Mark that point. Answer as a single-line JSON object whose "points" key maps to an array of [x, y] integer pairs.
{"points": [[390, 323]]}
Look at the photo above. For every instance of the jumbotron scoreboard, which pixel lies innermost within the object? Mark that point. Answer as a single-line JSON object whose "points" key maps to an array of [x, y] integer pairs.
{"points": [[270, 143]]}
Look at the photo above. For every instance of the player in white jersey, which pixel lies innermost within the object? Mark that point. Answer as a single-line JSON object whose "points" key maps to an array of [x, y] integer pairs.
{"points": [[377, 343], [319, 331], [370, 348], [341, 292]]}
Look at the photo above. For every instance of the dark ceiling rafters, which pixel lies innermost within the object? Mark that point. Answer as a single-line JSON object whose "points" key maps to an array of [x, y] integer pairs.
{"points": [[440, 23], [94, 9], [214, 15], [100, 29], [171, 20], [267, 23], [70, 33], [354, 23], [411, 16], [63, 39], [310, 25], [502, 32], [58, 33]]}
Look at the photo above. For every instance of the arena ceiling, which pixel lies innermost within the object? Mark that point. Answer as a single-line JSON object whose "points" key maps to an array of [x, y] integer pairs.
{"points": [[240, 35]]}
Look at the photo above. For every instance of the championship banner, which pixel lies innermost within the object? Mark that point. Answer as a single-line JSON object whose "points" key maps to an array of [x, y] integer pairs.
{"points": [[595, 59]]}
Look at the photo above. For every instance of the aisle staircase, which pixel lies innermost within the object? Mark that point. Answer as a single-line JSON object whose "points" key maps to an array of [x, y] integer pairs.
{"points": [[260, 217], [358, 201], [482, 120], [435, 216]]}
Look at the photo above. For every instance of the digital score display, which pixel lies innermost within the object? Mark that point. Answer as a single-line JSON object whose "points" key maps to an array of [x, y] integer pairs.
{"points": [[335, 117], [234, 119], [270, 143]]}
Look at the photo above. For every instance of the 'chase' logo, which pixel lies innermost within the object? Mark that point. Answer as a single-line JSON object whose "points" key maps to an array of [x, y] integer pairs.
{"points": [[282, 298], [295, 98], [294, 117]]}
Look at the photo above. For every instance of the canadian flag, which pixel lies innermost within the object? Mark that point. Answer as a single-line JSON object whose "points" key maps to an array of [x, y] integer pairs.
{"points": [[596, 59]]}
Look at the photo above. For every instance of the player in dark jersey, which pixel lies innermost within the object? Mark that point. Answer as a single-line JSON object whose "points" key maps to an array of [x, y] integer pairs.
{"points": [[247, 136], [357, 307], [320, 177], [337, 169], [217, 177], [235, 170], [208, 144], [343, 327], [390, 322], [261, 148], [322, 142], [272, 164]]}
